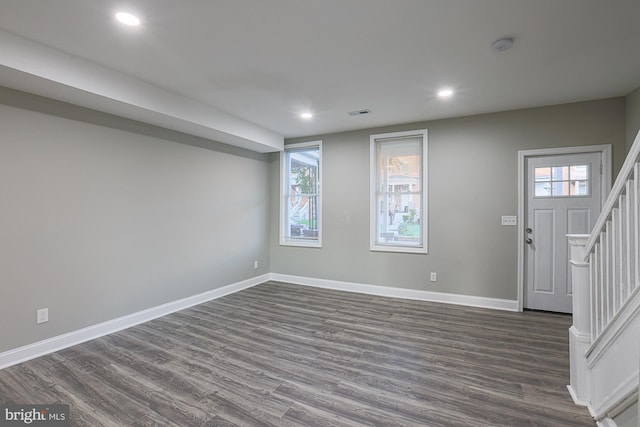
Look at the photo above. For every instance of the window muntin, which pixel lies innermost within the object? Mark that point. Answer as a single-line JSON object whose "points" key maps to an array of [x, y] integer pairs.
{"points": [[398, 196], [562, 181], [301, 195]]}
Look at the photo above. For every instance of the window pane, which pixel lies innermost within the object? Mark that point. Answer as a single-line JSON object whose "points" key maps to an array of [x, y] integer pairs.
{"points": [[403, 173], [579, 172], [385, 218], [560, 188], [302, 217], [399, 166], [542, 174], [560, 173], [579, 188], [543, 189], [303, 173], [398, 226], [408, 220]]}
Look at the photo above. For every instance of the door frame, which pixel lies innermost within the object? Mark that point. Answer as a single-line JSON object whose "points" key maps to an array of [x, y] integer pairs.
{"points": [[605, 150]]}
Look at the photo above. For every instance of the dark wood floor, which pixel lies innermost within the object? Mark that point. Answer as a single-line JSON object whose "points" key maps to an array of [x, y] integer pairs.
{"points": [[286, 355]]}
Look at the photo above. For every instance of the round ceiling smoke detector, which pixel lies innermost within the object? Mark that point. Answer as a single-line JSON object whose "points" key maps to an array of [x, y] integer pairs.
{"points": [[502, 44]]}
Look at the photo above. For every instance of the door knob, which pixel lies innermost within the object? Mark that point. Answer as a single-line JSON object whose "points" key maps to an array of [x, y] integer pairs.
{"points": [[529, 241], [529, 230]]}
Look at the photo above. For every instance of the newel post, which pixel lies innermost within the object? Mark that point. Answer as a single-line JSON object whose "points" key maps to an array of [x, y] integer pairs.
{"points": [[580, 331]]}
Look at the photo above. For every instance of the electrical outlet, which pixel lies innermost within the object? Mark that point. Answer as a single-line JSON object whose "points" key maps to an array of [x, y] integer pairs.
{"points": [[434, 277], [256, 264], [42, 315], [509, 220]]}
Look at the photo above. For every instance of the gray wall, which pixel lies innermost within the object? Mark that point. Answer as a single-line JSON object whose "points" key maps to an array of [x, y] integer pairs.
{"points": [[633, 116], [472, 182], [97, 222], [102, 217]]}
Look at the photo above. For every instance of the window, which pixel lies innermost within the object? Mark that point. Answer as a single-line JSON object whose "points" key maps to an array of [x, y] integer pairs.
{"points": [[398, 192], [562, 181], [300, 211]]}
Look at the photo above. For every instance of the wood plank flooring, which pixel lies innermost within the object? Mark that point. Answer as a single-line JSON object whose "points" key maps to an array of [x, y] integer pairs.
{"points": [[286, 355]]}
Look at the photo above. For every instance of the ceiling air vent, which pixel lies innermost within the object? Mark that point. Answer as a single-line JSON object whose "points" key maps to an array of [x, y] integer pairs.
{"points": [[359, 112]]}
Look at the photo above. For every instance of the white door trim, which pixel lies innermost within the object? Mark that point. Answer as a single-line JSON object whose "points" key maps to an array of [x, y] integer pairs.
{"points": [[605, 151]]}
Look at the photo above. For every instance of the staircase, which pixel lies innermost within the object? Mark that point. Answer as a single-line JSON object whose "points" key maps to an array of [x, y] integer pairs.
{"points": [[605, 335]]}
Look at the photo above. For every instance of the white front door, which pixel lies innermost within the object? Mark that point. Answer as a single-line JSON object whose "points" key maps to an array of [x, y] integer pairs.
{"points": [[563, 196]]}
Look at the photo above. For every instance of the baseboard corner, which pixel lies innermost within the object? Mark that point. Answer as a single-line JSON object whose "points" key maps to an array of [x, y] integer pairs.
{"points": [[49, 345]]}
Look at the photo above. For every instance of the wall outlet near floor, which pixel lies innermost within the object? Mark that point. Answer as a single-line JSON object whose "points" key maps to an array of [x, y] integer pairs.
{"points": [[509, 220], [433, 277], [256, 264], [42, 315]]}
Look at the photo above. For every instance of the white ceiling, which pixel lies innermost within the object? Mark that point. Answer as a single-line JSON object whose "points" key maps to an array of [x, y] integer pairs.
{"points": [[262, 62]]}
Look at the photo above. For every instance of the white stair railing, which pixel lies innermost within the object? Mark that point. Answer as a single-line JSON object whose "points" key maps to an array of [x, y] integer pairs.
{"points": [[604, 338], [613, 248]]}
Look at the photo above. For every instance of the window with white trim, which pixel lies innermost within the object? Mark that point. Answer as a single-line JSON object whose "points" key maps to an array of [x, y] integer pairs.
{"points": [[300, 189], [399, 191]]}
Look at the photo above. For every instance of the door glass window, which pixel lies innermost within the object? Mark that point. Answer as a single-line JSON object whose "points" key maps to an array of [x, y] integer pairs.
{"points": [[562, 181]]}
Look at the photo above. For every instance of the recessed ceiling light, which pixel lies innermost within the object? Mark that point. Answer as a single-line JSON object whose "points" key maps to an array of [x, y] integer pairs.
{"points": [[128, 19], [445, 93], [306, 116]]}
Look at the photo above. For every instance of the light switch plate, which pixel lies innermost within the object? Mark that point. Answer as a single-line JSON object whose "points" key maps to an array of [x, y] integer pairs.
{"points": [[509, 220]]}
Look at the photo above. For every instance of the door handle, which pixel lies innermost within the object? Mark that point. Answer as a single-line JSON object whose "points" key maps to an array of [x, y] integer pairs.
{"points": [[529, 241]]}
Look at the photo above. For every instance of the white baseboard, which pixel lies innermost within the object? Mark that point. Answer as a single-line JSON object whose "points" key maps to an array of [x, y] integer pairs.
{"points": [[606, 422], [577, 401], [50, 345], [385, 291]]}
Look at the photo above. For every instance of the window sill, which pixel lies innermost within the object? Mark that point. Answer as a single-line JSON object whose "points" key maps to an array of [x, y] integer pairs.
{"points": [[399, 249], [301, 243]]}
